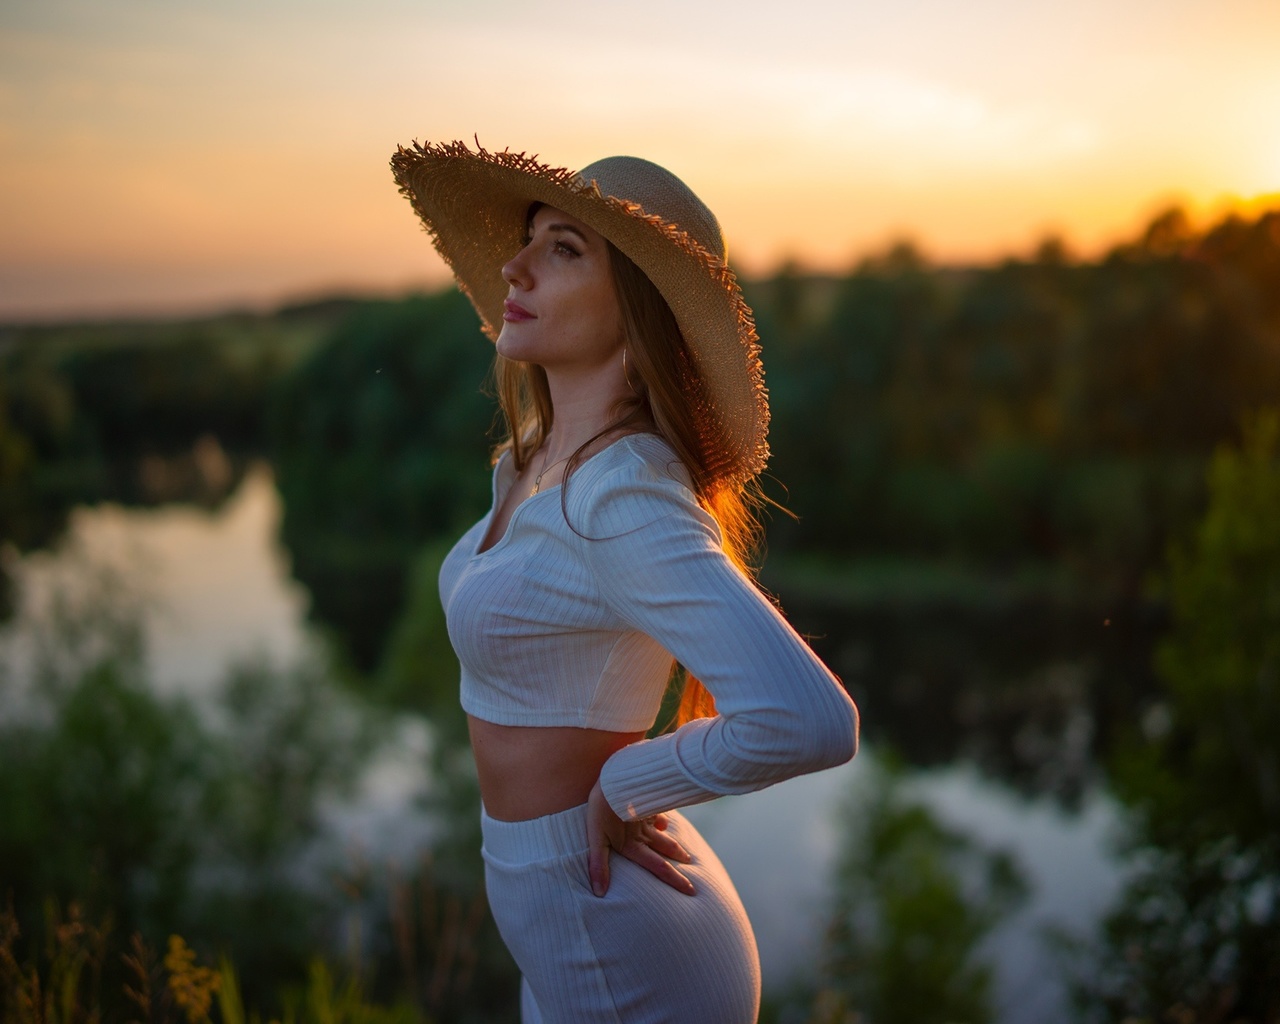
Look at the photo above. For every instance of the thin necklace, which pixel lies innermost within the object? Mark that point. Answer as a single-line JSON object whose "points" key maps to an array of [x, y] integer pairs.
{"points": [[537, 480]]}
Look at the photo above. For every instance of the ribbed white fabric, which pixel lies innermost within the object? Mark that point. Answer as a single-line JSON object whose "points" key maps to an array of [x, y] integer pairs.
{"points": [[572, 621], [641, 954]]}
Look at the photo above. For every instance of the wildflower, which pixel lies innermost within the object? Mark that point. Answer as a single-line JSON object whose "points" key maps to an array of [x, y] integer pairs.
{"points": [[192, 986]]}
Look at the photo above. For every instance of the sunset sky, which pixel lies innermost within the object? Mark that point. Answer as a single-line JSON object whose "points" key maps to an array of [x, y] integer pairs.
{"points": [[185, 155]]}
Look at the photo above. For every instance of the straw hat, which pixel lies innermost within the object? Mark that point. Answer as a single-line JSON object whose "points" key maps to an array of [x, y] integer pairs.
{"points": [[475, 204]]}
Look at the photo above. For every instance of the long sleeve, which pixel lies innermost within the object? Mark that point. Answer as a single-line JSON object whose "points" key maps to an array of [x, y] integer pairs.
{"points": [[781, 712]]}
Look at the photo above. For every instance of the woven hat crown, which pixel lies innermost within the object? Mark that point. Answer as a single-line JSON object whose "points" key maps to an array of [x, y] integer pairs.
{"points": [[657, 191]]}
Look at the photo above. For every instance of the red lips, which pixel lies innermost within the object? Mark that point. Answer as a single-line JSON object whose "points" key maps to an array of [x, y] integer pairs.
{"points": [[514, 312]]}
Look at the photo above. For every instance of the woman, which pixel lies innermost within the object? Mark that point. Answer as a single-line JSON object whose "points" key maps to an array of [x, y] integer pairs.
{"points": [[629, 375]]}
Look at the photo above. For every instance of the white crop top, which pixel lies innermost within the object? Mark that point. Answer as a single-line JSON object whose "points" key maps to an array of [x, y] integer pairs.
{"points": [[576, 626]]}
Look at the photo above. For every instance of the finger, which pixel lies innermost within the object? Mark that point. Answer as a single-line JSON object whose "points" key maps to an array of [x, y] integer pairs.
{"points": [[598, 866], [668, 846], [604, 831], [660, 822], [658, 866]]}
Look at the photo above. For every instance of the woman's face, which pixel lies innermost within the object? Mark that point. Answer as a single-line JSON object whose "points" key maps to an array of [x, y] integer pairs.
{"points": [[562, 309]]}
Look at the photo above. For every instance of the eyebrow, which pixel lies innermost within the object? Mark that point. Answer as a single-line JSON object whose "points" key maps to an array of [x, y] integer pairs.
{"points": [[570, 228]]}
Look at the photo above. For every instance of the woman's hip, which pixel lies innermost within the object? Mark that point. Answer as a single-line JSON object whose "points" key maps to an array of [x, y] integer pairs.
{"points": [[643, 951]]}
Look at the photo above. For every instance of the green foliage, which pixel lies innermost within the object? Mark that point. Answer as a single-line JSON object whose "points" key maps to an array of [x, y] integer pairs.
{"points": [[158, 816], [154, 815], [437, 946], [997, 413], [63, 984], [1197, 935], [85, 407], [325, 1001], [418, 669], [913, 901], [17, 463], [1222, 660], [379, 446], [106, 803]]}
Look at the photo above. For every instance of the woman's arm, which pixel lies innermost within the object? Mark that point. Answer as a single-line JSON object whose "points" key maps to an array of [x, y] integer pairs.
{"points": [[781, 712]]}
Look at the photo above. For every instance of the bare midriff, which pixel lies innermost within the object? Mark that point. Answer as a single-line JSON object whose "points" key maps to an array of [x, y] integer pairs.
{"points": [[530, 771]]}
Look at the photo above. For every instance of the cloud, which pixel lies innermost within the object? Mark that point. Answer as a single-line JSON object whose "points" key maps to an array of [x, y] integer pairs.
{"points": [[893, 113]]}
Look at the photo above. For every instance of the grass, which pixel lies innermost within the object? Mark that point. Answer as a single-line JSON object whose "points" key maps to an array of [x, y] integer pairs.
{"points": [[64, 984]]}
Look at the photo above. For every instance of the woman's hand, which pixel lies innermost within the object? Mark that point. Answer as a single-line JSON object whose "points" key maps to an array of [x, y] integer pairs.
{"points": [[644, 841]]}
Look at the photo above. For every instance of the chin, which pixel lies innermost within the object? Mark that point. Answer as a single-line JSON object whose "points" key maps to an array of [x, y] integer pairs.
{"points": [[509, 347]]}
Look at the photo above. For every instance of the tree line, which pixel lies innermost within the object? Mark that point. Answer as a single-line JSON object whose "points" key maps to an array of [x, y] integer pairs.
{"points": [[1041, 410]]}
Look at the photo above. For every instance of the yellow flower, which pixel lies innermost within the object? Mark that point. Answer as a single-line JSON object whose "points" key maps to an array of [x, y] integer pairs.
{"points": [[192, 986]]}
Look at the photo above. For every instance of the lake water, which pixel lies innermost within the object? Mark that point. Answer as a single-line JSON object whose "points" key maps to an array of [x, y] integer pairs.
{"points": [[215, 588]]}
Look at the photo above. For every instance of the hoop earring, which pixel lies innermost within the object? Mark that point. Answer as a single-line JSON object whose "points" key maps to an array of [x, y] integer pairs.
{"points": [[627, 376]]}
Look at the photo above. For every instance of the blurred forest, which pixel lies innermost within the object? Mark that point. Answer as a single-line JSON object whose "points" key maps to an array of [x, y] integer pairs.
{"points": [[1039, 433], [1043, 412]]}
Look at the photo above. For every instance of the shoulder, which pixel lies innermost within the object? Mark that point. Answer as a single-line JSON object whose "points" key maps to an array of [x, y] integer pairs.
{"points": [[504, 475], [635, 481]]}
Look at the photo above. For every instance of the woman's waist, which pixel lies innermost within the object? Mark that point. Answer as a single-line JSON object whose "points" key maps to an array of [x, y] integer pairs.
{"points": [[553, 836], [531, 771]]}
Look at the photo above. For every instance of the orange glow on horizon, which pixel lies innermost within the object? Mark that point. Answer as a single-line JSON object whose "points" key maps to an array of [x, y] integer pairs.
{"points": [[196, 159]]}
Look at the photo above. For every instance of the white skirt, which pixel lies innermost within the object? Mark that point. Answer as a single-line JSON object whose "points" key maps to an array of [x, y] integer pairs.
{"points": [[641, 954]]}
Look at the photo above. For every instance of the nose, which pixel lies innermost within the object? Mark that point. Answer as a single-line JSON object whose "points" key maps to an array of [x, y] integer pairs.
{"points": [[516, 270]]}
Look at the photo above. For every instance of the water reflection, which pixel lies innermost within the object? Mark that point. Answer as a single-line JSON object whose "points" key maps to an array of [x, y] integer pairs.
{"points": [[212, 584], [782, 845], [1028, 684], [219, 591]]}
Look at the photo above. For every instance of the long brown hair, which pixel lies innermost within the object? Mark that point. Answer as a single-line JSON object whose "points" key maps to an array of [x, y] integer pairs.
{"points": [[669, 398]]}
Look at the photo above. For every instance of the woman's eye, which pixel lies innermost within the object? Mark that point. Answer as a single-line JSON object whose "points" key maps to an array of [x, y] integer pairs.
{"points": [[564, 249]]}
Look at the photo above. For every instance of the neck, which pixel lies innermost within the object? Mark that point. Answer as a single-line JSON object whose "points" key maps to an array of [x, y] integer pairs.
{"points": [[584, 405]]}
